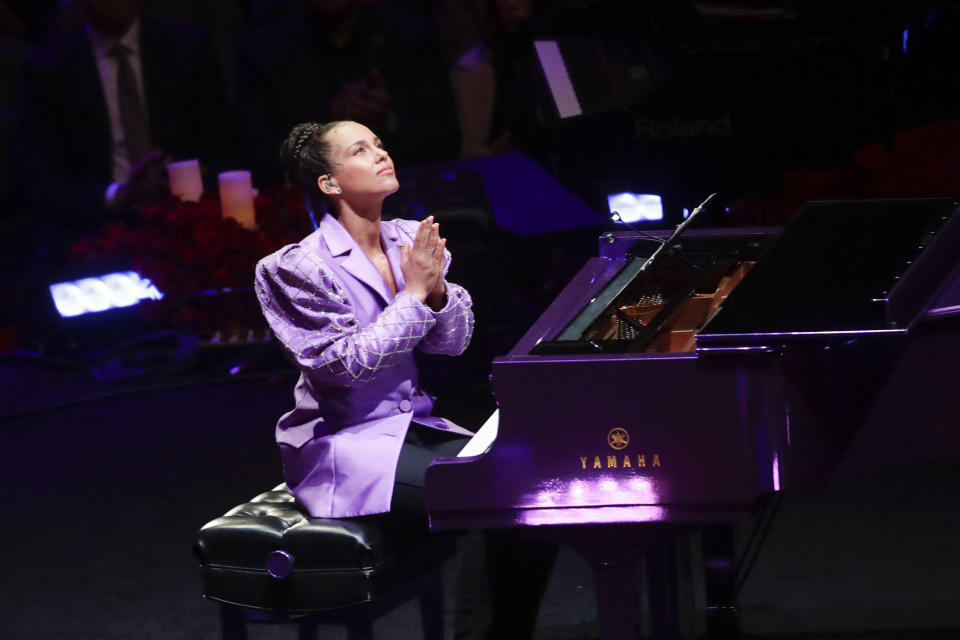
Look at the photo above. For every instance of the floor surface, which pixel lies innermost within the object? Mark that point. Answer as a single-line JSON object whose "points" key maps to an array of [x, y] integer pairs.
{"points": [[105, 485]]}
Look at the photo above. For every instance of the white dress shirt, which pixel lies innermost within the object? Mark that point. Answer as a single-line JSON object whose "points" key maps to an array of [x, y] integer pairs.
{"points": [[107, 66]]}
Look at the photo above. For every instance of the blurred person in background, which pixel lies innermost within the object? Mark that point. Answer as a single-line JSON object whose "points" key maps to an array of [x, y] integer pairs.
{"points": [[104, 105], [361, 60], [483, 42]]}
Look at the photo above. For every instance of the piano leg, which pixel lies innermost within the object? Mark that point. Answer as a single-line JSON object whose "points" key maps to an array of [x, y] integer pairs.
{"points": [[719, 581], [519, 568], [503, 575], [617, 556], [662, 576], [618, 597], [627, 559]]}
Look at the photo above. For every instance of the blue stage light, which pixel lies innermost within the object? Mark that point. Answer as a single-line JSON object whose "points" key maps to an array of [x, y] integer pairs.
{"points": [[636, 207], [101, 293]]}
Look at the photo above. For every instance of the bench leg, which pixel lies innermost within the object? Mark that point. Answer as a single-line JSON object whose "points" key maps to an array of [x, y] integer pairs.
{"points": [[232, 624]]}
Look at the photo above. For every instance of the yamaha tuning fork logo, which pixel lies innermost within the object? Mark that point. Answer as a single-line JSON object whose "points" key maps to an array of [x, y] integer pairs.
{"points": [[618, 438]]}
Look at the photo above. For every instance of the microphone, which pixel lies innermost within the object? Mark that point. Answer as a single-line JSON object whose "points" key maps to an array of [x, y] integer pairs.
{"points": [[686, 223], [667, 247]]}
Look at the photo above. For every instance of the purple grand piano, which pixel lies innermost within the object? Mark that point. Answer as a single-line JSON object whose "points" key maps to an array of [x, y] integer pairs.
{"points": [[668, 388]]}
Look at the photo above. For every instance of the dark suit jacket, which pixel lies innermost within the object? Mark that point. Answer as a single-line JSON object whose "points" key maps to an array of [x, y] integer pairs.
{"points": [[64, 159]]}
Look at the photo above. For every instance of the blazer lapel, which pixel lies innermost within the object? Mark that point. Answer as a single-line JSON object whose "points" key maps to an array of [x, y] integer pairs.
{"points": [[352, 258], [390, 237]]}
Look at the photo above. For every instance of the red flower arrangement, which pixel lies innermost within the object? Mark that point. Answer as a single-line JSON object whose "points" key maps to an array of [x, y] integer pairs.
{"points": [[202, 262]]}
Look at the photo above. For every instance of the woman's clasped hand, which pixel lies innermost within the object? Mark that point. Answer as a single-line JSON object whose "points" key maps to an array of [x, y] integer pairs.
{"points": [[422, 264]]}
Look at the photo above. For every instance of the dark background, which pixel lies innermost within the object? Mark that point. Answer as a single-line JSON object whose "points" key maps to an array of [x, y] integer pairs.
{"points": [[768, 102]]}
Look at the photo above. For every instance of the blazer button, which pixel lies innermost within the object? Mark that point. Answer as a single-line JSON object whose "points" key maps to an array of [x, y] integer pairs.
{"points": [[405, 405]]}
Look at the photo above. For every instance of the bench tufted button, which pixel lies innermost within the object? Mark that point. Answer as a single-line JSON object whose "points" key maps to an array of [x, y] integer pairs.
{"points": [[279, 563], [405, 405]]}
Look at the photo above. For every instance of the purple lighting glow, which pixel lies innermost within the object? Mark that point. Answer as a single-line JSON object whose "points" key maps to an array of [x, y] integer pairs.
{"points": [[591, 515], [606, 498], [776, 472], [787, 416]]}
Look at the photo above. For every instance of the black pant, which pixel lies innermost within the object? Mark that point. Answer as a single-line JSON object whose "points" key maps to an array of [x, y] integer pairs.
{"points": [[422, 446], [502, 573]]}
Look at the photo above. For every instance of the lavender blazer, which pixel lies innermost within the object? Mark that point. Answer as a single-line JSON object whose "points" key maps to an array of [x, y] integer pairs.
{"points": [[353, 341]]}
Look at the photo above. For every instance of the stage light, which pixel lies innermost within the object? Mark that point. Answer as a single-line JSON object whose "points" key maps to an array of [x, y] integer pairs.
{"points": [[101, 293], [636, 207]]}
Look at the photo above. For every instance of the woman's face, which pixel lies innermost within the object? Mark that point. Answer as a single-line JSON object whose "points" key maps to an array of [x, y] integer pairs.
{"points": [[361, 166]]}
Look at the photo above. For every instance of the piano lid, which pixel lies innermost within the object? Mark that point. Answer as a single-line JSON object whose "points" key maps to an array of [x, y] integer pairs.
{"points": [[842, 268], [628, 301]]}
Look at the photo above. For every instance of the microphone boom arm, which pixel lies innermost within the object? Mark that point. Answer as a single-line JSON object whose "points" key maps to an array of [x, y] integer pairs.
{"points": [[686, 223]]}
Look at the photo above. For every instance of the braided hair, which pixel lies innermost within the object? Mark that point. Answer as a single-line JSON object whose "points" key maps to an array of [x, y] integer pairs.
{"points": [[304, 158]]}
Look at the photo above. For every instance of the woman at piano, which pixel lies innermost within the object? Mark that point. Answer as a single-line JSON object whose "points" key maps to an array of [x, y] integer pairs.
{"points": [[350, 303]]}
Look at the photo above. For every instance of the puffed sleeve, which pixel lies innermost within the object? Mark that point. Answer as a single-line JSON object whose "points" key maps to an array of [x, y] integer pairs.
{"points": [[309, 313], [453, 329], [451, 333]]}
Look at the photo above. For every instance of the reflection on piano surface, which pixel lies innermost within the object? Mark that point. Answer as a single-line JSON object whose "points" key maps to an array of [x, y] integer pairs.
{"points": [[673, 392]]}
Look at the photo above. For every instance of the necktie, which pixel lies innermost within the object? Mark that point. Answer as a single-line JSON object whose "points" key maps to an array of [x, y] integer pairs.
{"points": [[133, 116]]}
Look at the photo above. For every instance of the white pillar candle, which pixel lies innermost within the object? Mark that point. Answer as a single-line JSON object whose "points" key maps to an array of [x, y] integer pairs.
{"points": [[236, 198], [185, 181]]}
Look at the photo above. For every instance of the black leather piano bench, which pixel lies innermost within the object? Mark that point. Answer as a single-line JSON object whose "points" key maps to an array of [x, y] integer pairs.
{"points": [[267, 561]]}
